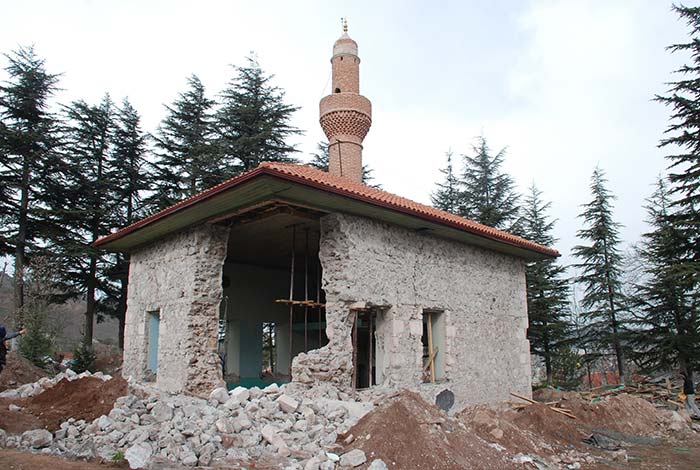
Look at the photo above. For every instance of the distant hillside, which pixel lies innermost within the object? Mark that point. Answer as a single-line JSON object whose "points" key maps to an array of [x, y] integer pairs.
{"points": [[67, 319]]}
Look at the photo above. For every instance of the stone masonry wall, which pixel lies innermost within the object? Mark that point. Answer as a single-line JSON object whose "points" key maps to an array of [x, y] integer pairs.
{"points": [[481, 294], [180, 277]]}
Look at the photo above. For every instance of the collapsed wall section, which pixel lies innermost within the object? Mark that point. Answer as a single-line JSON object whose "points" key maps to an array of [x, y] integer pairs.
{"points": [[177, 280], [480, 295]]}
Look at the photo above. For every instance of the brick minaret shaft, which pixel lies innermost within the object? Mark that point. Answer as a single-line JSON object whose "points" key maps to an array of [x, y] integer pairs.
{"points": [[346, 116]]}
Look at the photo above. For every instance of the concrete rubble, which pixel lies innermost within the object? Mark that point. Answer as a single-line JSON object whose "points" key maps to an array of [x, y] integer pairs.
{"points": [[240, 425], [35, 388]]}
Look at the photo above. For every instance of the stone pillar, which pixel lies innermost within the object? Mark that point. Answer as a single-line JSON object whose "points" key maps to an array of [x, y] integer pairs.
{"points": [[179, 277]]}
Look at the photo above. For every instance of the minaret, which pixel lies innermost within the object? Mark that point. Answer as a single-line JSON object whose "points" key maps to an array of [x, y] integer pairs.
{"points": [[345, 114]]}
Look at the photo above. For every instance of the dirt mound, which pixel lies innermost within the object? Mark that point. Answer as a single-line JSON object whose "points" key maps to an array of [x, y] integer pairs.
{"points": [[87, 398], [533, 430], [19, 371], [623, 413], [408, 433], [545, 395]]}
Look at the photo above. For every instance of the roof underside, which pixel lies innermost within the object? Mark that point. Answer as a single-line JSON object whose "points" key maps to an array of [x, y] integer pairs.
{"points": [[264, 186]]}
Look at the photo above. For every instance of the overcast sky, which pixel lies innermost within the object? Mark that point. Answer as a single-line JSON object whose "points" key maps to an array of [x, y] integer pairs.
{"points": [[565, 85]]}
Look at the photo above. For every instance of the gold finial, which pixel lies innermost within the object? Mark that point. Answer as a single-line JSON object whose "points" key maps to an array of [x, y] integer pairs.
{"points": [[344, 22]]}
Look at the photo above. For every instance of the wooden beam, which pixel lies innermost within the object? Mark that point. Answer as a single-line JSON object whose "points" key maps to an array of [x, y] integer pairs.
{"points": [[431, 356]]}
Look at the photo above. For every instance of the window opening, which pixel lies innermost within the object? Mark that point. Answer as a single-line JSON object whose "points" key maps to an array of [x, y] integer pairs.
{"points": [[269, 348], [153, 335], [364, 348], [433, 342], [337, 90]]}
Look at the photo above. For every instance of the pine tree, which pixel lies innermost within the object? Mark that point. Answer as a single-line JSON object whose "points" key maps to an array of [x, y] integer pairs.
{"points": [[489, 196], [683, 138], [253, 123], [89, 197], [187, 162], [27, 161], [668, 328], [547, 289], [447, 196], [133, 177], [321, 158], [600, 269]]}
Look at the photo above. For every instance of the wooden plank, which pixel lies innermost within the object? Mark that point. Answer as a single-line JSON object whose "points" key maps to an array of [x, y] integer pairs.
{"points": [[431, 356], [522, 397], [427, 362]]}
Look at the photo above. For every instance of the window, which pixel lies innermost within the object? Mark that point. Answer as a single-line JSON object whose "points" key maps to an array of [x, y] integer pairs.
{"points": [[337, 90], [153, 335], [433, 342]]}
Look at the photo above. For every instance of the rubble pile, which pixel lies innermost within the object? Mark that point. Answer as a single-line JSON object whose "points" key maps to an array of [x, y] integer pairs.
{"points": [[93, 416], [236, 426], [44, 383], [19, 371]]}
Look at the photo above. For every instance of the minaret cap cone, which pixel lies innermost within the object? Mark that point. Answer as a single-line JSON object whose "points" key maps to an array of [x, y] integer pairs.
{"points": [[345, 45]]}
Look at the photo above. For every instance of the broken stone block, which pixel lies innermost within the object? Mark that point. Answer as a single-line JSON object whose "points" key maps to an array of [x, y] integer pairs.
{"points": [[219, 394], [242, 422], [37, 438], [240, 393], [84, 451], [352, 459], [103, 422], [309, 415], [138, 455], [312, 464], [287, 403], [224, 426], [188, 457], [377, 464], [11, 394], [161, 411]]}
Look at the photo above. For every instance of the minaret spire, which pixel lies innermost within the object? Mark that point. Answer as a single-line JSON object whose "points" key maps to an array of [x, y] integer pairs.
{"points": [[346, 116]]}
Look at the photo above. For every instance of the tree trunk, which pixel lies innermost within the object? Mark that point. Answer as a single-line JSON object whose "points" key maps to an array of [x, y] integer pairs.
{"points": [[547, 354], [613, 320], [90, 301], [121, 308], [20, 245]]}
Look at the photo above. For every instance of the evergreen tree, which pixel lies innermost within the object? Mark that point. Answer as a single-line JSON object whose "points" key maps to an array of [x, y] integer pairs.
{"points": [[668, 332], [132, 177], [253, 123], [90, 199], [27, 160], [547, 289], [489, 196], [447, 196], [600, 269], [187, 162], [321, 159], [683, 138]]}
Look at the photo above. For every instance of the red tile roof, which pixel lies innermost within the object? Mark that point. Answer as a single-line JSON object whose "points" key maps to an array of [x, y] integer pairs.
{"points": [[325, 181]]}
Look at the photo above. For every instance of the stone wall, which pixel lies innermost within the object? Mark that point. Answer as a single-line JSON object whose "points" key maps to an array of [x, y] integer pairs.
{"points": [[180, 277], [480, 293]]}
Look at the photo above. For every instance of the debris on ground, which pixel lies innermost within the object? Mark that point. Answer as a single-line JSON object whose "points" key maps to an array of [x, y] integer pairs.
{"points": [[19, 371], [409, 433], [93, 417]]}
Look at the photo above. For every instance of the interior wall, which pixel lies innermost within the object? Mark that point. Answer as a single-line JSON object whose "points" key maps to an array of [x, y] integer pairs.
{"points": [[251, 293]]}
